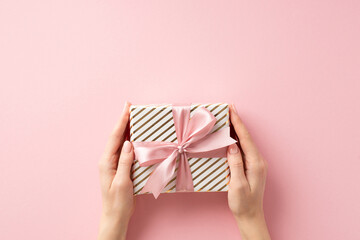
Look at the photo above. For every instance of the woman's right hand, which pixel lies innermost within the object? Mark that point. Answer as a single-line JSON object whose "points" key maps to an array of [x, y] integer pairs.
{"points": [[247, 183]]}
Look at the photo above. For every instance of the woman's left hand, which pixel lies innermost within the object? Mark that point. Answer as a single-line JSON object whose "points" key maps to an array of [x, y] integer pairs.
{"points": [[116, 184]]}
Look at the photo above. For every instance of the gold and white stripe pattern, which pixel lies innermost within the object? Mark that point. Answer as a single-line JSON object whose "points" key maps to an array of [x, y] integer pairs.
{"points": [[155, 123]]}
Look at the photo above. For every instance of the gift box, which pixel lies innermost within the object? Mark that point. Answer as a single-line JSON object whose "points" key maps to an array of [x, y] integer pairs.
{"points": [[197, 162]]}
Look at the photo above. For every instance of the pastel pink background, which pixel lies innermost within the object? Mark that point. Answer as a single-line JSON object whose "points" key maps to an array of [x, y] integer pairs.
{"points": [[291, 68]]}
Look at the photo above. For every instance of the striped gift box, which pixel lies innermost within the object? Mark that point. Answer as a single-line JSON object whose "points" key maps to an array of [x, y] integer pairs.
{"points": [[155, 123]]}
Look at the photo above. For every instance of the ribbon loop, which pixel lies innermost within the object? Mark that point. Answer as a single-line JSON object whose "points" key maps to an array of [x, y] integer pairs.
{"points": [[194, 140]]}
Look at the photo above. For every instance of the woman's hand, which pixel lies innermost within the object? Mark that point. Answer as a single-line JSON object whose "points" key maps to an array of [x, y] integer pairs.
{"points": [[247, 183], [116, 185]]}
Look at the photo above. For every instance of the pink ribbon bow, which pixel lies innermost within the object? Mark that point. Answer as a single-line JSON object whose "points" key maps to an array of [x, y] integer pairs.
{"points": [[193, 139]]}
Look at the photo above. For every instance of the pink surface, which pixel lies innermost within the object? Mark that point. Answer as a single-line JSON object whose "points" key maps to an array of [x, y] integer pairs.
{"points": [[291, 67]]}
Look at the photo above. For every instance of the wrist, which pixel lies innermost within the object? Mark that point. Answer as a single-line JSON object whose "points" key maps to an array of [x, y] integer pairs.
{"points": [[253, 226], [112, 227]]}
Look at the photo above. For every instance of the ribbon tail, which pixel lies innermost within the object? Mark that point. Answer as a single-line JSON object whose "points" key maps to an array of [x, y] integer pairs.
{"points": [[184, 182], [161, 175]]}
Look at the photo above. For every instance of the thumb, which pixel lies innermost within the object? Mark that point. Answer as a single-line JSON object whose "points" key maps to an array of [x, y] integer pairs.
{"points": [[125, 161], [236, 164]]}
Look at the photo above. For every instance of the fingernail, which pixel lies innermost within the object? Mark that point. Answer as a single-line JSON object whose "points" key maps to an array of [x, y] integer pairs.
{"points": [[127, 146], [124, 108], [233, 149], [234, 108], [125, 104]]}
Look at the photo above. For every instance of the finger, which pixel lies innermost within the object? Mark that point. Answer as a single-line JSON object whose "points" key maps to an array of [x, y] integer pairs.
{"points": [[125, 162], [109, 161], [118, 134], [107, 170], [255, 165], [236, 166], [243, 134]]}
